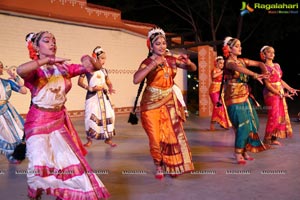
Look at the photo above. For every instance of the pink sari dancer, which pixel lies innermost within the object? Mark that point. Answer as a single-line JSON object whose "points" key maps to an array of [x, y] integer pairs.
{"points": [[278, 124], [56, 155], [219, 113], [61, 171], [275, 92]]}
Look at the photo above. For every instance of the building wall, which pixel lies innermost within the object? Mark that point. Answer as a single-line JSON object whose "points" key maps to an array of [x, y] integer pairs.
{"points": [[124, 42]]}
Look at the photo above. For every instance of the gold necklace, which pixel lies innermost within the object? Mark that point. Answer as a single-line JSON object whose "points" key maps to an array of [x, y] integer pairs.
{"points": [[236, 60], [166, 69], [166, 72]]}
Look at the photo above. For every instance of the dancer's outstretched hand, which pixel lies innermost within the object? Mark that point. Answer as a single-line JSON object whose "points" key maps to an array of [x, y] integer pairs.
{"points": [[294, 92], [288, 95]]}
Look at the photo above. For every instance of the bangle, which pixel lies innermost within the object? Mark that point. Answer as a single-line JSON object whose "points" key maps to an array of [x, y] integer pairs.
{"points": [[37, 62], [51, 61], [281, 94], [255, 75]]}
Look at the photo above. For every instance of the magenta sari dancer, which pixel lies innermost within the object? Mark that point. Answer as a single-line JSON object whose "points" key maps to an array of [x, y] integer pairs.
{"points": [[219, 113], [56, 155], [278, 123]]}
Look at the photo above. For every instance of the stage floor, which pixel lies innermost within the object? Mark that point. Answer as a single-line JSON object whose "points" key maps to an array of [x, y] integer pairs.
{"points": [[128, 171]]}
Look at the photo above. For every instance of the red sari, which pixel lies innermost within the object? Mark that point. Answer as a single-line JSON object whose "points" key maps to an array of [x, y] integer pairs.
{"points": [[219, 113], [278, 123]]}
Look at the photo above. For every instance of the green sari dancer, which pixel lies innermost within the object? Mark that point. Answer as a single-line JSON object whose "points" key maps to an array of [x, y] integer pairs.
{"points": [[240, 105]]}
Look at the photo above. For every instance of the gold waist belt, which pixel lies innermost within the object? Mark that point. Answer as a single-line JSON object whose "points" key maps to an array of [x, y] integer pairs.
{"points": [[230, 83], [55, 109], [159, 91], [276, 83]]}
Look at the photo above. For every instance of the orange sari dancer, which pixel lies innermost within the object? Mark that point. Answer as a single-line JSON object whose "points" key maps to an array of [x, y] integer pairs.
{"points": [[219, 113], [278, 124], [162, 115]]}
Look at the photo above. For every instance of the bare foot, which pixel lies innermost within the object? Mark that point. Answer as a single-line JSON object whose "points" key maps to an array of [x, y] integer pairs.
{"points": [[109, 142], [240, 159]]}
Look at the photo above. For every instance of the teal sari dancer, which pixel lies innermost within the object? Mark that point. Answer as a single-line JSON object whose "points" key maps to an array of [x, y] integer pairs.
{"points": [[242, 113], [239, 102], [239, 115]]}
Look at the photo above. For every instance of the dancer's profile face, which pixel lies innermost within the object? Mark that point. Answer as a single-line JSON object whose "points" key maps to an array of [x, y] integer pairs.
{"points": [[102, 58], [269, 53], [220, 63], [236, 49]]}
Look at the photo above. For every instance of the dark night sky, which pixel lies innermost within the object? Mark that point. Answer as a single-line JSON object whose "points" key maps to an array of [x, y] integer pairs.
{"points": [[278, 30]]}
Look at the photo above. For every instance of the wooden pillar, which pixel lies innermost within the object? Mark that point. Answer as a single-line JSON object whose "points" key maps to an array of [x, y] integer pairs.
{"points": [[206, 56]]}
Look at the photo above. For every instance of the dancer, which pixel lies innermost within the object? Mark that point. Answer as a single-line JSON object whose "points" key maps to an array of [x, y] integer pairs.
{"points": [[240, 107], [57, 164], [12, 123], [99, 114], [162, 115], [219, 113], [278, 124]]}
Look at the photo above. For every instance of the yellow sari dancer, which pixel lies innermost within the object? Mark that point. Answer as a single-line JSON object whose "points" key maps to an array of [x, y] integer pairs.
{"points": [[162, 115]]}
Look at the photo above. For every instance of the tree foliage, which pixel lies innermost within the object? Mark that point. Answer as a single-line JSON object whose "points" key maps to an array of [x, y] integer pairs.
{"points": [[213, 20], [208, 20]]}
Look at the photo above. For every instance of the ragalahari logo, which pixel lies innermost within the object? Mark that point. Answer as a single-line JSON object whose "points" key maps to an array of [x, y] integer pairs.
{"points": [[246, 8]]}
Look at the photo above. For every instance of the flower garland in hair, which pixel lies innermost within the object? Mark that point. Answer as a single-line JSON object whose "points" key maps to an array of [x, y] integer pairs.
{"points": [[156, 30], [97, 51], [226, 40], [148, 43], [225, 48], [226, 51], [32, 51], [217, 59], [153, 33], [261, 53]]}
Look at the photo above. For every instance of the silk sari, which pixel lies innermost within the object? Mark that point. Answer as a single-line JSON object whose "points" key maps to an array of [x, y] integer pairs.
{"points": [[278, 123], [57, 165], [219, 113], [241, 111], [162, 117]]}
